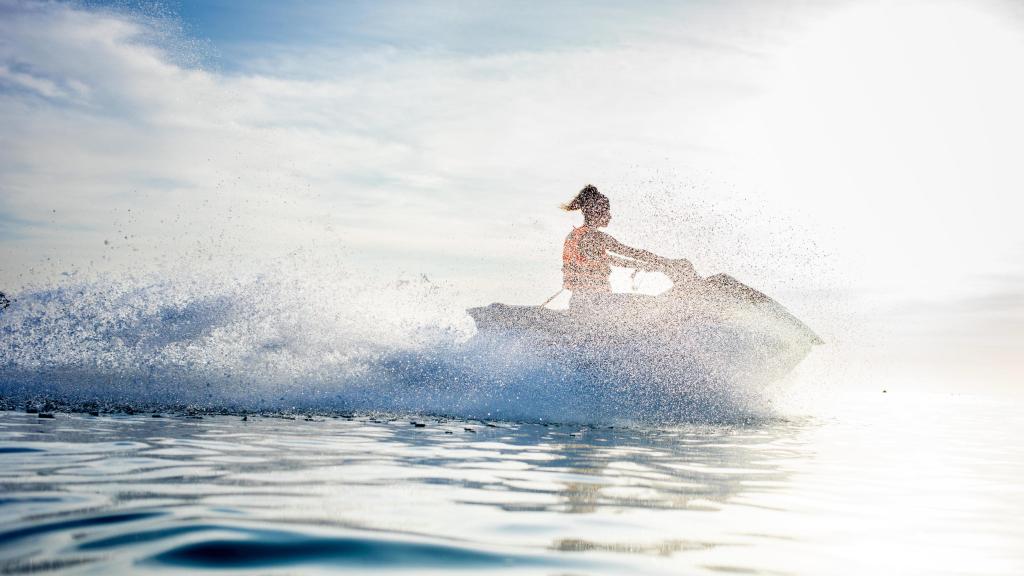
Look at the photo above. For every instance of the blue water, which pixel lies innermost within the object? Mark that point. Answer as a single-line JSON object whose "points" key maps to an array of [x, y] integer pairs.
{"points": [[891, 485]]}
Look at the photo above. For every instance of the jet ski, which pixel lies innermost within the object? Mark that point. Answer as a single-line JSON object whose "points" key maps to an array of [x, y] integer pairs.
{"points": [[704, 328]]}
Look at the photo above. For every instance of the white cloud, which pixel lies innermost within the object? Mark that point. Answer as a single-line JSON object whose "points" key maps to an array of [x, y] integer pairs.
{"points": [[41, 86], [398, 147]]}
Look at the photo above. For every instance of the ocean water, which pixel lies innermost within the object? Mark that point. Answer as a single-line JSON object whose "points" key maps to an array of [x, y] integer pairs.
{"points": [[264, 425], [886, 484]]}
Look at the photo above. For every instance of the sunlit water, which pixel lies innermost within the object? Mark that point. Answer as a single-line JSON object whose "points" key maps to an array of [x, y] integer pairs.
{"points": [[893, 485]]}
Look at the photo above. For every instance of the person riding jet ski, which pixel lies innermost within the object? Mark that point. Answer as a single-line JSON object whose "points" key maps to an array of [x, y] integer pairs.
{"points": [[702, 327]]}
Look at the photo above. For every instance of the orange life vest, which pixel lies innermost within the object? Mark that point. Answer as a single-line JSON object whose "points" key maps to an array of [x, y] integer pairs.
{"points": [[581, 273]]}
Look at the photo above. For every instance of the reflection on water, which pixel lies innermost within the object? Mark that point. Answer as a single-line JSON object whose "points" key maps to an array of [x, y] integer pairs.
{"points": [[93, 495]]}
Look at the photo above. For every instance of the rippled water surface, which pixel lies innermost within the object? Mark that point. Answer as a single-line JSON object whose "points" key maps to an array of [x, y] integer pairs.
{"points": [[893, 486]]}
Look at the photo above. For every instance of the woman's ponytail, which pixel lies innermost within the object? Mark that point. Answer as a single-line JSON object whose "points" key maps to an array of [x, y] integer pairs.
{"points": [[586, 197]]}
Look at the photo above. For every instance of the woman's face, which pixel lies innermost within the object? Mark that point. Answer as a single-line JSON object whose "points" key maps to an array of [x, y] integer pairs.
{"points": [[598, 214], [603, 215]]}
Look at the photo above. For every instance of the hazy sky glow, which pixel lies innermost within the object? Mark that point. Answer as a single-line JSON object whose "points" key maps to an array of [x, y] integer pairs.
{"points": [[858, 159]]}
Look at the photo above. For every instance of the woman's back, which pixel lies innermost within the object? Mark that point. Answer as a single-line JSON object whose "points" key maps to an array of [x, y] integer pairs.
{"points": [[583, 270]]}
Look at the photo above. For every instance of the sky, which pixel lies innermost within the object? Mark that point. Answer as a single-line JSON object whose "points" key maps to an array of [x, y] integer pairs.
{"points": [[859, 160]]}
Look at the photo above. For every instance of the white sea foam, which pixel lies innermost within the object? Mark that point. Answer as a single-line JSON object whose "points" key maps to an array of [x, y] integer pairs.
{"points": [[313, 341]]}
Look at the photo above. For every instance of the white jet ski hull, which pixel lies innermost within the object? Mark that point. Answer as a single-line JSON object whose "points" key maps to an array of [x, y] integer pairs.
{"points": [[727, 331]]}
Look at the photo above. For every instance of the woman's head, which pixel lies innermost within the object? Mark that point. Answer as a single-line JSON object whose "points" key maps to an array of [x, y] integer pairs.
{"points": [[594, 205]]}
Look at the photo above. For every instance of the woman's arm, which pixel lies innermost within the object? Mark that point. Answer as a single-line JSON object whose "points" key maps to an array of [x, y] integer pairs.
{"points": [[621, 262], [606, 242]]}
